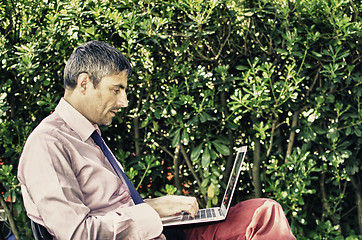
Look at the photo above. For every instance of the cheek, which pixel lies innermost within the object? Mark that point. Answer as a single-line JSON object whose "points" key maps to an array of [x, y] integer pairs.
{"points": [[96, 104], [107, 105], [105, 101], [111, 101]]}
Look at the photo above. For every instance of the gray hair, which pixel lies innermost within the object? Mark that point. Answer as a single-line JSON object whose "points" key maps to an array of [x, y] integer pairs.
{"points": [[98, 59]]}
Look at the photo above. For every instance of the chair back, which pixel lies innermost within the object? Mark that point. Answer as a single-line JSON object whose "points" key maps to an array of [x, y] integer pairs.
{"points": [[40, 232]]}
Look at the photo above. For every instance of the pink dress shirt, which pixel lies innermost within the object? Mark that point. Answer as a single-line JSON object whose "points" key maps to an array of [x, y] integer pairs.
{"points": [[69, 187]]}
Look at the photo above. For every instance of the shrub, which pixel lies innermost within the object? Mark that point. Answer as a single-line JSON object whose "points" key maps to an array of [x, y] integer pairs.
{"points": [[283, 77]]}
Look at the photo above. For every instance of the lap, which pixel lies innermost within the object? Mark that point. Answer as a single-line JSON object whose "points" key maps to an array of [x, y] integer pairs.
{"points": [[252, 219]]}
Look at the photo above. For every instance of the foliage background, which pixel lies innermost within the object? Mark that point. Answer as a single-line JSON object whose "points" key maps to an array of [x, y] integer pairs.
{"points": [[283, 77]]}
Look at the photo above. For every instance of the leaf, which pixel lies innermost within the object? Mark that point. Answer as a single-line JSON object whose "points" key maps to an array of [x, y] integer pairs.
{"points": [[215, 171], [248, 14], [205, 117], [205, 160], [213, 154], [210, 191], [155, 125], [242, 67], [343, 55], [316, 54], [222, 149], [215, 200], [185, 137], [175, 135], [142, 165], [195, 154], [282, 51], [205, 182], [176, 138], [157, 113], [144, 124]]}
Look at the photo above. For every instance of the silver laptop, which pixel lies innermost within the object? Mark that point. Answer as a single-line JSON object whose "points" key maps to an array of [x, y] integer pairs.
{"points": [[216, 213]]}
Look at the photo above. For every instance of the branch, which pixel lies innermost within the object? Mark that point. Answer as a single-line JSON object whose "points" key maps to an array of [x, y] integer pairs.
{"points": [[292, 132], [136, 136], [187, 160], [164, 149], [202, 56], [189, 165], [356, 183], [136, 125], [230, 135], [256, 164], [272, 137], [177, 167], [11, 219], [314, 81], [325, 201], [292, 135]]}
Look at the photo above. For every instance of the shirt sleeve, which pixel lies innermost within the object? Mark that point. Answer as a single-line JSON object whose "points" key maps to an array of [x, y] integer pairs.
{"points": [[50, 187]]}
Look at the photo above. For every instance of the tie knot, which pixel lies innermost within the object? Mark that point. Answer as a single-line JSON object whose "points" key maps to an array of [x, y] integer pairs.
{"points": [[96, 137]]}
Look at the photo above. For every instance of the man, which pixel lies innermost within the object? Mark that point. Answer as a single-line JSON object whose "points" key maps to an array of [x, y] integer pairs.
{"points": [[70, 185]]}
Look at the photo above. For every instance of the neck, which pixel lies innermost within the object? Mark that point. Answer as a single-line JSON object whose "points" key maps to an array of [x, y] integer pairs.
{"points": [[69, 96], [75, 99]]}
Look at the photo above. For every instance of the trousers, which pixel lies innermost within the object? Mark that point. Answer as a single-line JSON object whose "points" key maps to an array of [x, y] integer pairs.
{"points": [[253, 219]]}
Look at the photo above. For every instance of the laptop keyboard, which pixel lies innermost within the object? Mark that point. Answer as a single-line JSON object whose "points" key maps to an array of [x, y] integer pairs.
{"points": [[201, 214]]}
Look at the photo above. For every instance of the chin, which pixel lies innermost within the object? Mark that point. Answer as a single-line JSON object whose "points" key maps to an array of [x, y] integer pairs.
{"points": [[107, 123], [106, 119]]}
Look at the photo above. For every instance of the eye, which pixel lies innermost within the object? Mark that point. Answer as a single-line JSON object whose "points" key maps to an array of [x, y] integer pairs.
{"points": [[116, 91]]}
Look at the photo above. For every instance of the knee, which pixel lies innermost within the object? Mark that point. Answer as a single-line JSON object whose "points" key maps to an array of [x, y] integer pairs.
{"points": [[273, 202], [274, 205]]}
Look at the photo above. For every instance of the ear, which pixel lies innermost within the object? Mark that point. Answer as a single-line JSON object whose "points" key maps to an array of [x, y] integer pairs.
{"points": [[83, 82]]}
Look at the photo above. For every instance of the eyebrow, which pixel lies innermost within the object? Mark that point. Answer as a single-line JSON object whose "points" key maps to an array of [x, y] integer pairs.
{"points": [[120, 86]]}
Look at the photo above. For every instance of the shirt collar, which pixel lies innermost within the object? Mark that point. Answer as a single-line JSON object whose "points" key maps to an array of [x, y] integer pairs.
{"points": [[80, 124]]}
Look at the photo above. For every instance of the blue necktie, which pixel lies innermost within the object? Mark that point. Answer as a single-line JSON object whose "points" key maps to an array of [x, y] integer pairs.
{"points": [[137, 199]]}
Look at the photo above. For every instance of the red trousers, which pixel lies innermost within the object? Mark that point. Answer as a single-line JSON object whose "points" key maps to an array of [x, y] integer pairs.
{"points": [[253, 219]]}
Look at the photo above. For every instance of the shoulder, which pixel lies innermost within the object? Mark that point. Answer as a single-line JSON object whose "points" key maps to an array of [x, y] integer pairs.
{"points": [[53, 136], [44, 146], [50, 128]]}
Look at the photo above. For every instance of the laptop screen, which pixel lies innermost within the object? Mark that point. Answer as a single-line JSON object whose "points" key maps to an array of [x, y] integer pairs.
{"points": [[233, 177]]}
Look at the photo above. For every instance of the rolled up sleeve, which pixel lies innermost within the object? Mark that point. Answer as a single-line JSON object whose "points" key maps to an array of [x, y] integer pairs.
{"points": [[146, 223]]}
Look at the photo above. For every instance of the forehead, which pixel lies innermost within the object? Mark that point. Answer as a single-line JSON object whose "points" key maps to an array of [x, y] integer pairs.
{"points": [[119, 80]]}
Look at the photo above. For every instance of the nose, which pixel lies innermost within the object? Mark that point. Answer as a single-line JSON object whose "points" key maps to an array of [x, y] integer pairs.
{"points": [[122, 99]]}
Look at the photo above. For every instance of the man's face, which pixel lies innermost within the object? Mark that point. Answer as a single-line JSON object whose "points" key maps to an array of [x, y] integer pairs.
{"points": [[106, 99]]}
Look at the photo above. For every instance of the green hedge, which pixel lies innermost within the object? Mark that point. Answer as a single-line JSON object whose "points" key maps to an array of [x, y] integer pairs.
{"points": [[283, 77]]}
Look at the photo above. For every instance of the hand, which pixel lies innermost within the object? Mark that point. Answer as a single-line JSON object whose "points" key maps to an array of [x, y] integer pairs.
{"points": [[161, 237], [173, 204]]}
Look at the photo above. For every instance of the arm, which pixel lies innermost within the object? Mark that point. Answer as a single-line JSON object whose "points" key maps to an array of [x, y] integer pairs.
{"points": [[172, 204], [53, 195]]}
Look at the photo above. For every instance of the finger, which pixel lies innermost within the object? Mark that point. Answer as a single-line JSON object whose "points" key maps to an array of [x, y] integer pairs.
{"points": [[194, 207]]}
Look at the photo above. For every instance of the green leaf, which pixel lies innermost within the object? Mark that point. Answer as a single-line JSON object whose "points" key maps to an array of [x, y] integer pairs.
{"points": [[144, 124], [215, 200], [175, 137], [210, 191], [195, 154], [205, 183], [205, 117], [213, 154], [215, 171], [242, 68], [142, 165], [205, 160], [157, 113], [316, 54], [248, 14], [185, 137], [222, 149]]}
